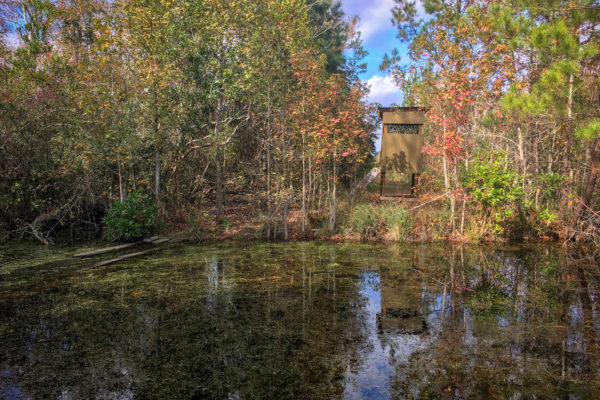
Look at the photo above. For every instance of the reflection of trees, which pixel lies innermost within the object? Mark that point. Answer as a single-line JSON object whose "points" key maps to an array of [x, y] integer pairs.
{"points": [[514, 324], [268, 322], [287, 321]]}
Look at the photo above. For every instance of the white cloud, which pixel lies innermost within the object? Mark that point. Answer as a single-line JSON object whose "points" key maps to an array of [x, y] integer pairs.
{"points": [[384, 90], [12, 40], [375, 16]]}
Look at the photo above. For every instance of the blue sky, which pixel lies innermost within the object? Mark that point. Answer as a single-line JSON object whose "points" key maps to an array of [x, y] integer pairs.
{"points": [[379, 37]]}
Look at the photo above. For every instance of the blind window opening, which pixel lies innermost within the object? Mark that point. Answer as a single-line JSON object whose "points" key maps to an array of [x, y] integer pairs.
{"points": [[403, 129]]}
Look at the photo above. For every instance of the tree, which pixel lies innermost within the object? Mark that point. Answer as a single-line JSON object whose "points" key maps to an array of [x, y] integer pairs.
{"points": [[502, 75]]}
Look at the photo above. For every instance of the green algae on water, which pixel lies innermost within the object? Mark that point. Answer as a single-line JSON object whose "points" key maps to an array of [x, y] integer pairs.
{"points": [[300, 321]]}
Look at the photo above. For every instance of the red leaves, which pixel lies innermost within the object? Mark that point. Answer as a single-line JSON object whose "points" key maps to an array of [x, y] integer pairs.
{"points": [[332, 114]]}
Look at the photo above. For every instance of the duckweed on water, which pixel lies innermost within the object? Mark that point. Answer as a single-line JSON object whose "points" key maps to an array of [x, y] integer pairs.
{"points": [[302, 321]]}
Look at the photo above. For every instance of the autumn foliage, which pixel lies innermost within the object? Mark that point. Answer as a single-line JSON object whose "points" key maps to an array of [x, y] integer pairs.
{"points": [[190, 102]]}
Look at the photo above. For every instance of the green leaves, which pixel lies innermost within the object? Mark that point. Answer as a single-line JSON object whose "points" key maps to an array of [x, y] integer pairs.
{"points": [[589, 130], [131, 219], [525, 103], [556, 38], [493, 184]]}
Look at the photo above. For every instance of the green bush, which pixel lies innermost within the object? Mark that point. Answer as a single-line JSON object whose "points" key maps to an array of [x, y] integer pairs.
{"points": [[494, 185], [131, 219]]}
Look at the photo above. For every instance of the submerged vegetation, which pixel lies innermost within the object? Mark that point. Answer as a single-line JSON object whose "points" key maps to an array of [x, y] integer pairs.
{"points": [[300, 321], [216, 119]]}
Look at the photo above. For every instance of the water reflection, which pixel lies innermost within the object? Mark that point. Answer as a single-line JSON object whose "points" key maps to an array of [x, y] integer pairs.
{"points": [[393, 324], [303, 321]]}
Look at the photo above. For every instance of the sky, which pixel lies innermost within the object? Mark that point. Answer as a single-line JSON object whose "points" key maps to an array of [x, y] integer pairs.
{"points": [[379, 37]]}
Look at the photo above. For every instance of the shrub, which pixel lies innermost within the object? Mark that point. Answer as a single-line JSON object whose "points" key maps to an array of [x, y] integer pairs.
{"points": [[131, 219], [494, 186]]}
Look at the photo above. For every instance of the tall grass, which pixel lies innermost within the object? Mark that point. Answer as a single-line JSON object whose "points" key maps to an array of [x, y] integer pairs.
{"points": [[379, 221]]}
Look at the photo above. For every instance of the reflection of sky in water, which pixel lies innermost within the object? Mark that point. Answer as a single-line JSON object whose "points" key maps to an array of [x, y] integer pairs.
{"points": [[11, 393], [371, 380], [501, 321], [575, 340], [576, 316], [520, 340], [382, 353], [8, 391]]}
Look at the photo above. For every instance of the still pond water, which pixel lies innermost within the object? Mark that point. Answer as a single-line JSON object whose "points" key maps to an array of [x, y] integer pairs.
{"points": [[301, 321]]}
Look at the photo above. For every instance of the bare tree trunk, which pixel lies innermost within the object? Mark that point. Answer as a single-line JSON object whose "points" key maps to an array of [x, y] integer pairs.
{"points": [[462, 216], [303, 184], [522, 158], [447, 185], [332, 208], [453, 196], [219, 184], [320, 195], [121, 196], [157, 176], [311, 191], [567, 168], [332, 199], [219, 161], [285, 220], [570, 123], [157, 147]]}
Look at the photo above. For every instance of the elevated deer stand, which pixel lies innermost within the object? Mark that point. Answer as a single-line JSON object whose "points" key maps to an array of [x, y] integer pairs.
{"points": [[401, 159]]}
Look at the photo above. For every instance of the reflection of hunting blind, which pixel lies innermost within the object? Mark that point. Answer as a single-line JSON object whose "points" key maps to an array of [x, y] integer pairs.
{"points": [[400, 306], [401, 142]]}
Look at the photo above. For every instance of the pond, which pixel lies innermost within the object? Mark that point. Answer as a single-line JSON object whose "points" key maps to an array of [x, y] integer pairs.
{"points": [[300, 320]]}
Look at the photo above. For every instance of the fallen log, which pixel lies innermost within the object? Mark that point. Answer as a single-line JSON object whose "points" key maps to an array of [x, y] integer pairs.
{"points": [[121, 258], [107, 250], [370, 177], [161, 241], [152, 240]]}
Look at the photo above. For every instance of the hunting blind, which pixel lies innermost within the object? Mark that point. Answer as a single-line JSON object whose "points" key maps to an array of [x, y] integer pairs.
{"points": [[401, 159]]}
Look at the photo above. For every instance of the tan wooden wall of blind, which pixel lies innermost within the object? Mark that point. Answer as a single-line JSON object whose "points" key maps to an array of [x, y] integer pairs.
{"points": [[401, 153]]}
